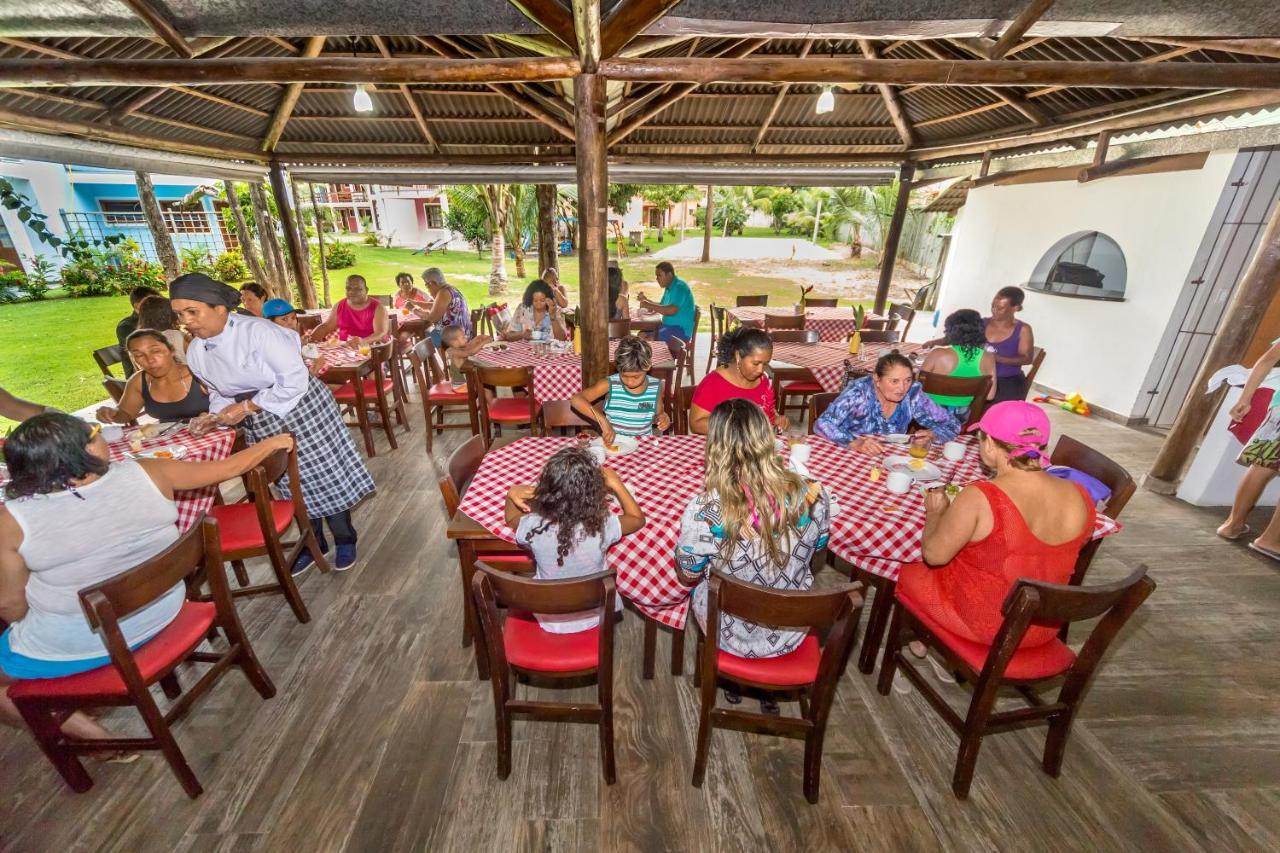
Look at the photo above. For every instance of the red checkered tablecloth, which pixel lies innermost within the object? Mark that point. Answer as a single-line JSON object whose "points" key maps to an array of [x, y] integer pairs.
{"points": [[556, 376], [831, 324], [826, 361]]}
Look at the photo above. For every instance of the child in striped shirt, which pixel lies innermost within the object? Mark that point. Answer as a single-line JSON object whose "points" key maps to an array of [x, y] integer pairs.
{"points": [[632, 398]]}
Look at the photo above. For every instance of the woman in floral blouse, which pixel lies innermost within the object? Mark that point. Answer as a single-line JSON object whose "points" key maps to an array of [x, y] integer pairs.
{"points": [[886, 402]]}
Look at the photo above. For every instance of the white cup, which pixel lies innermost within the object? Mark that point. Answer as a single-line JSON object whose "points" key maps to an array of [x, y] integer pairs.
{"points": [[898, 482], [953, 450], [112, 433], [800, 453]]}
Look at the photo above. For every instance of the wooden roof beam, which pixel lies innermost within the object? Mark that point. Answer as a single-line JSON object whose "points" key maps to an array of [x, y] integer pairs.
{"points": [[1036, 115], [777, 102], [552, 17], [409, 99], [161, 26], [1028, 16], [627, 20], [289, 99], [897, 112], [586, 26], [1269, 47]]}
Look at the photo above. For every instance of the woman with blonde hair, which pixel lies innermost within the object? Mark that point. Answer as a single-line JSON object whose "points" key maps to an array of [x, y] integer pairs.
{"points": [[754, 520]]}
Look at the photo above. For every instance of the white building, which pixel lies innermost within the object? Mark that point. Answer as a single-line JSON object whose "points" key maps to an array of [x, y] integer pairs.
{"points": [[409, 216]]}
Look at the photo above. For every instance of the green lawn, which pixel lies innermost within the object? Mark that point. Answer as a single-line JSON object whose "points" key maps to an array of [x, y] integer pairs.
{"points": [[46, 347]]}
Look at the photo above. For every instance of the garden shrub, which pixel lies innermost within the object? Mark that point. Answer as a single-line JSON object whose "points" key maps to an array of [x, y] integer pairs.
{"points": [[197, 259], [371, 239], [230, 267], [111, 272], [339, 256]]}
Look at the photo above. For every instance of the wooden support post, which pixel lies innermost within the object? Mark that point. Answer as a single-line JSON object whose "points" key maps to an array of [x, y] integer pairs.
{"points": [[593, 193], [889, 251], [320, 223], [303, 242], [706, 227], [1100, 153], [155, 224], [1255, 293], [293, 245], [548, 253], [244, 239], [986, 164], [277, 282]]}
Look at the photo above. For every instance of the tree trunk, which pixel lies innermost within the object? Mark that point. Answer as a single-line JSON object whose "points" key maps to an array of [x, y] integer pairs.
{"points": [[519, 253], [706, 231], [248, 251], [277, 284], [294, 237], [548, 254], [498, 254], [855, 244], [662, 223], [889, 251], [155, 224], [319, 220]]}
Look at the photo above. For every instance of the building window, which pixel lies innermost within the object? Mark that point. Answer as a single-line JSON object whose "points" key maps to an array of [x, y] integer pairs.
{"points": [[435, 218], [1085, 265], [121, 212], [176, 220]]}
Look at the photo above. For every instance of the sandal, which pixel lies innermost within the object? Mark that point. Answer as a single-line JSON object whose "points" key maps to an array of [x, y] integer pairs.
{"points": [[1263, 550], [1243, 531], [122, 756], [770, 707]]}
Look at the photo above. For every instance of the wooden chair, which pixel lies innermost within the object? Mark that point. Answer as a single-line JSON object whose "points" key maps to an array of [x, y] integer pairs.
{"points": [[959, 386], [821, 302], [802, 388], [307, 322], [880, 336], [106, 358], [813, 670], [783, 321], [683, 357], [518, 645], [692, 345], [750, 301], [899, 313], [870, 325], [1037, 359], [719, 322], [438, 397], [515, 411], [384, 298], [818, 404], [254, 527], [481, 323], [619, 328], [683, 400], [370, 393], [794, 336], [114, 387], [1003, 664], [45, 703]]}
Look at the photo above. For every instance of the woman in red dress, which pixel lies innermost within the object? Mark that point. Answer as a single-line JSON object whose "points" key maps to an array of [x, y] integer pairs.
{"points": [[1022, 523]]}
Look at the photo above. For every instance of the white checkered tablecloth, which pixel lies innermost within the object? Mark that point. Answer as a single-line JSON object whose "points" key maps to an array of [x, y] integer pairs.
{"points": [[663, 475], [831, 324], [826, 361], [877, 530], [556, 376]]}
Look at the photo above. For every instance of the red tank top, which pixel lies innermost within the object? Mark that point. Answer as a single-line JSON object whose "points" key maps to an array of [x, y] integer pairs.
{"points": [[353, 323], [978, 579]]}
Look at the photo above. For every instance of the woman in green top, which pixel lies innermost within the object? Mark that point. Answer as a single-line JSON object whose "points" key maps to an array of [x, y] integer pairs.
{"points": [[633, 398], [1261, 455], [964, 355]]}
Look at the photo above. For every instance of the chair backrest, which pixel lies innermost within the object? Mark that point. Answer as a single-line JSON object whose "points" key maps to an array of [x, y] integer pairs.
{"points": [[718, 320], [105, 357], [503, 377], [380, 354], [880, 336], [114, 387], [619, 328], [821, 302], [480, 322], [1037, 359], [783, 321], [432, 366], [976, 387], [870, 325], [818, 404], [462, 465], [1082, 457], [746, 301], [794, 336], [683, 400], [307, 322]]}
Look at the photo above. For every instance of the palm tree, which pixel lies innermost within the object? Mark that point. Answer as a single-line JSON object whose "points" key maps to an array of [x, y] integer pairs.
{"points": [[493, 203], [847, 208], [522, 216]]}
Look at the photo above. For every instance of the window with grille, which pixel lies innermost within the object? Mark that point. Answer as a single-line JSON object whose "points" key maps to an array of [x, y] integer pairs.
{"points": [[435, 218], [176, 220]]}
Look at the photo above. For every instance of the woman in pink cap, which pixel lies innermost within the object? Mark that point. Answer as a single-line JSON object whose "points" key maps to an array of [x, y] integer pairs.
{"points": [[1022, 523]]}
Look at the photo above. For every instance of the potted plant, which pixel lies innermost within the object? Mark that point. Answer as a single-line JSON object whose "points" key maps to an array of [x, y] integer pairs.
{"points": [[859, 319], [804, 298]]}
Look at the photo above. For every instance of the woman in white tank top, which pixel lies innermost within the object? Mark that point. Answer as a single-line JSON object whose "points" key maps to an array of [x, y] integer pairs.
{"points": [[71, 518]]}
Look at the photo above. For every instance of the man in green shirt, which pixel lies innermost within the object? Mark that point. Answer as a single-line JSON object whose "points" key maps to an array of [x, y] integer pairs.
{"points": [[677, 305]]}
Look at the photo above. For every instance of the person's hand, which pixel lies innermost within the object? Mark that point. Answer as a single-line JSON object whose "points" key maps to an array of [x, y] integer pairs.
{"points": [[283, 441], [1239, 411], [106, 414], [923, 436], [526, 335], [612, 481], [868, 444], [233, 414], [202, 424], [782, 423], [520, 496], [607, 432], [663, 420], [935, 501]]}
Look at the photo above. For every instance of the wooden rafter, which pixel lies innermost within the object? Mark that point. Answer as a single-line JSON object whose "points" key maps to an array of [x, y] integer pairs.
{"points": [[410, 101], [627, 20], [1269, 47], [284, 43], [897, 112], [777, 102], [37, 47], [552, 17], [161, 26], [289, 99], [586, 27], [1036, 115], [1019, 27], [106, 134]]}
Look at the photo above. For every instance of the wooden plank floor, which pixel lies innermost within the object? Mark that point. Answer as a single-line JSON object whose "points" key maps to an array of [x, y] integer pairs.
{"points": [[380, 738]]}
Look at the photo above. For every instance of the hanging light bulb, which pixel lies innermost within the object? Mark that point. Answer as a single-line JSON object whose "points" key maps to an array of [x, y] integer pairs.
{"points": [[826, 101], [362, 102]]}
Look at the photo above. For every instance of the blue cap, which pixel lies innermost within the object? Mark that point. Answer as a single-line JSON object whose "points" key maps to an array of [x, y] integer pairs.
{"points": [[276, 308]]}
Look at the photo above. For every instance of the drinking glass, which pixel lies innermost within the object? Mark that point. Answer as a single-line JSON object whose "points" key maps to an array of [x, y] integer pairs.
{"points": [[919, 446]]}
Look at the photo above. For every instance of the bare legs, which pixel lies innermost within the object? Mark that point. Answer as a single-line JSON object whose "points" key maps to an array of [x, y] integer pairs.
{"points": [[78, 725], [1247, 494]]}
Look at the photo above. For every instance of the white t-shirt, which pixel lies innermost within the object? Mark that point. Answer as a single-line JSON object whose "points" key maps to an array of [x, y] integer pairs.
{"points": [[587, 557]]}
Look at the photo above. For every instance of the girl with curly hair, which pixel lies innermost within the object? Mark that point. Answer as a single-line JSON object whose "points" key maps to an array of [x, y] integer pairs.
{"points": [[565, 521], [965, 355]]}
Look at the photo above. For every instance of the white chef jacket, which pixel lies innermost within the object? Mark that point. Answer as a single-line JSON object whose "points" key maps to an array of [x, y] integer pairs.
{"points": [[251, 355]]}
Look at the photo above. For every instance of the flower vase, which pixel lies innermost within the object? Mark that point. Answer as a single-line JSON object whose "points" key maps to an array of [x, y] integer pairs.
{"points": [[855, 342]]}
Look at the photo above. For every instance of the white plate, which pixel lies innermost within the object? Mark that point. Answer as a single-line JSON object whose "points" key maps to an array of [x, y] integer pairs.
{"points": [[625, 444], [925, 471], [311, 351], [175, 451], [895, 438]]}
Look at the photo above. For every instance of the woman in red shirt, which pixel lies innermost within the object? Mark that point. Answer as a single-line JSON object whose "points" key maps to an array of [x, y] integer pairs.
{"points": [[359, 319], [1022, 523], [743, 355]]}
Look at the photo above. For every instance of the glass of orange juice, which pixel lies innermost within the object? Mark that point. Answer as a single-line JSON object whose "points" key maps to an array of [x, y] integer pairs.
{"points": [[919, 446], [364, 349]]}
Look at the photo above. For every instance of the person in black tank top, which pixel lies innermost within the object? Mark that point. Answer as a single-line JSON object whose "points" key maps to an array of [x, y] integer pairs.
{"points": [[160, 376]]}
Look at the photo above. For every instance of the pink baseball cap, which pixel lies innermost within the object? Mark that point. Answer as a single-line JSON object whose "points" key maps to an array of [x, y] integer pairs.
{"points": [[1022, 425]]}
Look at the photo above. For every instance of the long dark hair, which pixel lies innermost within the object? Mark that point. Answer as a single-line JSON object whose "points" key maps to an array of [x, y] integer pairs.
{"points": [[536, 286], [570, 495], [46, 453], [965, 329], [156, 312], [741, 342]]}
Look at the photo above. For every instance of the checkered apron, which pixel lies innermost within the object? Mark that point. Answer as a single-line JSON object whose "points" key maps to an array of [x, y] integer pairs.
{"points": [[334, 477]]}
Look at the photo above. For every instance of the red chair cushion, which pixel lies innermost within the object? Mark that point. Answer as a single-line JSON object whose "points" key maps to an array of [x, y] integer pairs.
{"points": [[443, 393], [511, 410], [238, 526], [530, 647], [794, 668], [347, 393], [154, 657], [801, 387], [1043, 661]]}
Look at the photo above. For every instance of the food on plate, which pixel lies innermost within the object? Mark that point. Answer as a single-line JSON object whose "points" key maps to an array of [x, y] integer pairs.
{"points": [[135, 443], [917, 464], [952, 490], [149, 430], [612, 448], [874, 475], [163, 454]]}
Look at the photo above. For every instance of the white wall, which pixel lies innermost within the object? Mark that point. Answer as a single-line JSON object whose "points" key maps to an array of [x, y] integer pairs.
{"points": [[49, 192], [399, 219], [1100, 349]]}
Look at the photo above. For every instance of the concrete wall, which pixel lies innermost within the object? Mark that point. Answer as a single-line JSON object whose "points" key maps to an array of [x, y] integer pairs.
{"points": [[1101, 349]]}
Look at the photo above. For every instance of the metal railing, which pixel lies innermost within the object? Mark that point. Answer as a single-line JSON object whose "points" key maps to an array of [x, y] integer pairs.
{"points": [[194, 229]]}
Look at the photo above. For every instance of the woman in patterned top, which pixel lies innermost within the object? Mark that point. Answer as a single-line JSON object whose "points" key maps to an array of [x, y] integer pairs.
{"points": [[632, 398], [888, 401], [754, 520], [448, 306]]}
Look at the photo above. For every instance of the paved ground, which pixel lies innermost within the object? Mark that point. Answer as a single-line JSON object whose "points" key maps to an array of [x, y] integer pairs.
{"points": [[747, 249]]}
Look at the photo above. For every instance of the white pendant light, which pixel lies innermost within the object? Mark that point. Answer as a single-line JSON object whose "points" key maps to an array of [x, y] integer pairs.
{"points": [[826, 101], [362, 102]]}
